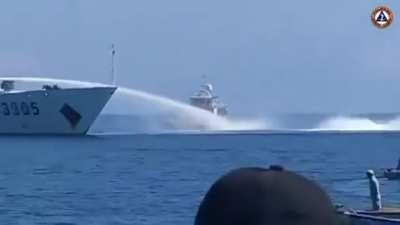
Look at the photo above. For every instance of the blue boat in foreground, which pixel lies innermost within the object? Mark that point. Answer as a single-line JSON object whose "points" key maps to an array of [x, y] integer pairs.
{"points": [[392, 174], [389, 216]]}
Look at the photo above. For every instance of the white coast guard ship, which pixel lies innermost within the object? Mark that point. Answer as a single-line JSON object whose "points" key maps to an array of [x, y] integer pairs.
{"points": [[51, 109], [205, 99]]}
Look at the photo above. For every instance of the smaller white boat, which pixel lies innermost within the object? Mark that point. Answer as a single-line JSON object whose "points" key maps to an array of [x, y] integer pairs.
{"points": [[205, 99], [393, 173]]}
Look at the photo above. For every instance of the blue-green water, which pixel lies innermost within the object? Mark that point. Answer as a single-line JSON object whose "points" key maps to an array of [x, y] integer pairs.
{"points": [[161, 179]]}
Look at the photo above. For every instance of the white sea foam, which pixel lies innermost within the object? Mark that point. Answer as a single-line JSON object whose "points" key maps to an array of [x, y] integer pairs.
{"points": [[358, 124]]}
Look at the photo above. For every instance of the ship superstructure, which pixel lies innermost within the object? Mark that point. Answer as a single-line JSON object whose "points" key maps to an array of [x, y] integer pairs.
{"points": [[205, 99]]}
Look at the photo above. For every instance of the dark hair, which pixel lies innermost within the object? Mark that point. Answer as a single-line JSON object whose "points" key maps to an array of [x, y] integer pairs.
{"points": [[258, 196]]}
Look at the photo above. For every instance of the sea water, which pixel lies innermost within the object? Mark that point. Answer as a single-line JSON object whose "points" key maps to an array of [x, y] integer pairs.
{"points": [[161, 178]]}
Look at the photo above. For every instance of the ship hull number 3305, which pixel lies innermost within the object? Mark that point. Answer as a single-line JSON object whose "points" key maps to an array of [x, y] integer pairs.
{"points": [[19, 108]]}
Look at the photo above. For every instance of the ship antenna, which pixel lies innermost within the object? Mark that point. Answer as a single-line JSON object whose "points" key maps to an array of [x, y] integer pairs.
{"points": [[113, 78], [204, 77]]}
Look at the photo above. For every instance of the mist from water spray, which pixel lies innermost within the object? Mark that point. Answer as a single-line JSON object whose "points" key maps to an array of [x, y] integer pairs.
{"points": [[170, 113], [358, 124]]}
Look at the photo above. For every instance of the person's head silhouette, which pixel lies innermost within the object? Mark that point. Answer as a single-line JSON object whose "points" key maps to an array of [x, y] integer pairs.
{"points": [[257, 196]]}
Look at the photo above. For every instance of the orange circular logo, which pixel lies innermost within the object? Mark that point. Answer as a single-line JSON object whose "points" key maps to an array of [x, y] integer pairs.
{"points": [[382, 17]]}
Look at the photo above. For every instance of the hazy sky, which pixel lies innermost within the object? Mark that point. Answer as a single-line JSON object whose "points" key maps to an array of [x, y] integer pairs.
{"points": [[262, 56]]}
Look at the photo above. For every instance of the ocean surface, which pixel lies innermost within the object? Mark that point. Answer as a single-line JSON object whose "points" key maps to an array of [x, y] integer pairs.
{"points": [[161, 178]]}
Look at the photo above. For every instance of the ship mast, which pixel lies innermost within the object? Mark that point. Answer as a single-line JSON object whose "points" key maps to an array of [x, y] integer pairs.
{"points": [[113, 78], [204, 78]]}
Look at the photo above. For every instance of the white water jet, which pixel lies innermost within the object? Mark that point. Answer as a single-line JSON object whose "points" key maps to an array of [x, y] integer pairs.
{"points": [[185, 117]]}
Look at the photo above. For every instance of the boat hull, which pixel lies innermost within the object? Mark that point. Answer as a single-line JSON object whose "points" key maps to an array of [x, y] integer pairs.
{"points": [[392, 174], [385, 216], [56, 111], [357, 219]]}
